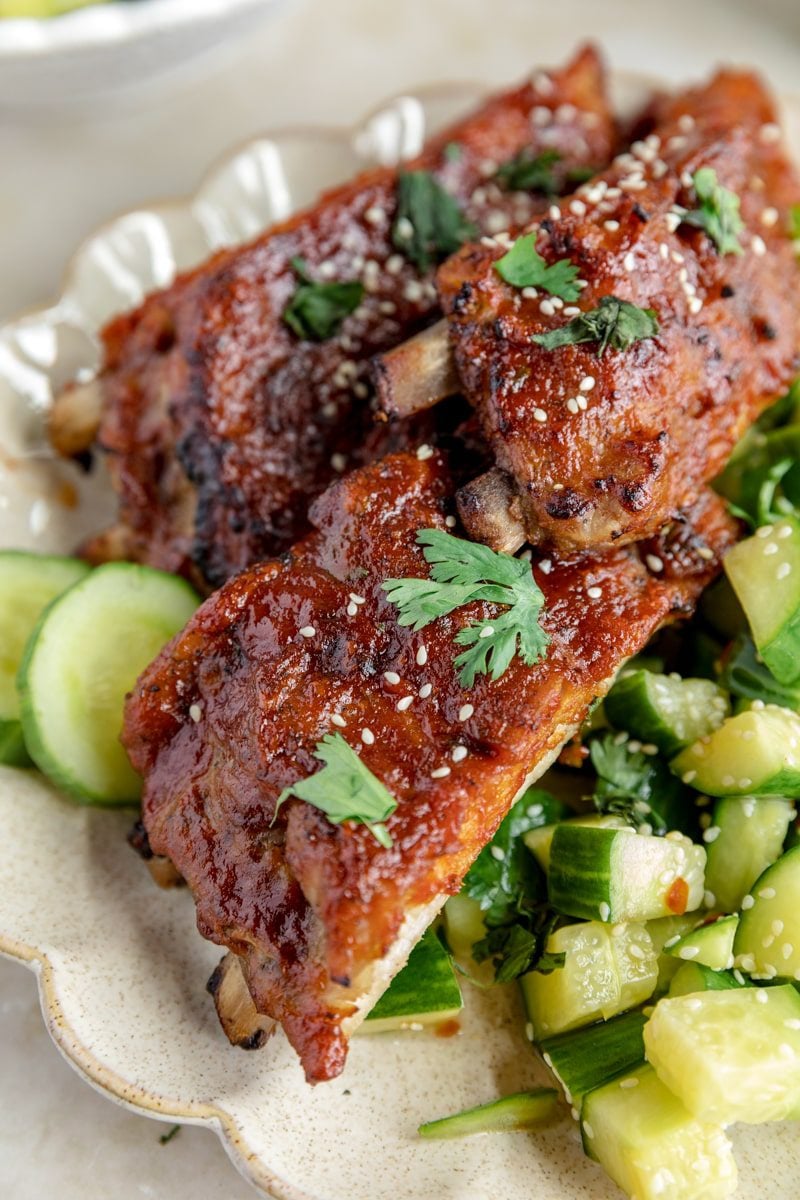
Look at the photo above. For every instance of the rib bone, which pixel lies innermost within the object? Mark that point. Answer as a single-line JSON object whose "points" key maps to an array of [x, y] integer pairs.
{"points": [[416, 374], [490, 511], [243, 1025], [75, 418]]}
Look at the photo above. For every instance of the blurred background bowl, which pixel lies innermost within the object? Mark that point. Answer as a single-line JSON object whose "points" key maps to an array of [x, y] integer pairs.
{"points": [[87, 54]]}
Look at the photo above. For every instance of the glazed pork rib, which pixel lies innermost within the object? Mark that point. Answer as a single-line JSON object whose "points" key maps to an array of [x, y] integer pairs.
{"points": [[321, 915], [220, 422], [593, 448]]}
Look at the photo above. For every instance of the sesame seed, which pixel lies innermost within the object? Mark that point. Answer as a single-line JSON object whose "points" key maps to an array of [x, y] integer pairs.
{"points": [[695, 305], [583, 403], [764, 531], [338, 720], [352, 609], [694, 1003], [387, 307], [571, 310], [529, 1031], [308, 631], [465, 712], [405, 703], [769, 217], [758, 245], [578, 208], [688, 776], [367, 737], [631, 1082], [672, 221], [572, 405], [530, 293], [688, 952], [705, 552], [787, 950], [587, 383], [769, 133], [713, 832], [413, 291], [604, 911], [767, 893], [636, 952], [587, 1129], [404, 229], [594, 593], [195, 712], [338, 462], [424, 451], [686, 122], [540, 415], [450, 522], [459, 753], [611, 226], [543, 84], [395, 264], [391, 677], [546, 566], [375, 215], [422, 656], [546, 308], [761, 996], [629, 261], [554, 212], [770, 548], [425, 691], [747, 902], [654, 562], [442, 773], [783, 570]]}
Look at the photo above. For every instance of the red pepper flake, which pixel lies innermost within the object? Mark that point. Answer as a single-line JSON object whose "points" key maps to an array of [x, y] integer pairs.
{"points": [[678, 897]]}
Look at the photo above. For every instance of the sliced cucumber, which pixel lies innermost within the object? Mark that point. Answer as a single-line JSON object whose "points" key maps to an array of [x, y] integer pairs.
{"points": [[756, 753], [710, 945], [765, 573], [83, 657], [767, 942], [425, 992], [667, 711], [751, 834], [585, 1059], [619, 875], [664, 931], [651, 1146], [540, 840], [523, 1110], [730, 1055], [694, 977], [463, 925], [749, 679], [28, 583], [605, 971]]}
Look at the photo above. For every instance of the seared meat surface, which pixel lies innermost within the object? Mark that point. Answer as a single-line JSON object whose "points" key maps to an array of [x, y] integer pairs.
{"points": [[220, 424], [230, 712], [603, 448]]}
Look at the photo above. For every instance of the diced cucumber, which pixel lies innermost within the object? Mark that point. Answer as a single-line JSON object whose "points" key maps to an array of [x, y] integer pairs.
{"points": [[585, 1059], [425, 992], [540, 840], [605, 971], [767, 943], [751, 834], [730, 1055], [747, 678], [523, 1110], [667, 711], [84, 655], [651, 1146], [28, 583], [710, 945], [463, 925], [694, 977], [756, 753], [765, 573], [619, 875], [663, 931]]}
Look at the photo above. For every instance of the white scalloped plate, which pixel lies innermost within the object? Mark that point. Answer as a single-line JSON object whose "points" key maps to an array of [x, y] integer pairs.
{"points": [[121, 968]]}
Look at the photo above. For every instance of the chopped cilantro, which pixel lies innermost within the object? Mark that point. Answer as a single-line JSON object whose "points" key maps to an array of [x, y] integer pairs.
{"points": [[523, 266], [463, 571], [614, 323], [638, 787], [526, 172], [429, 224], [345, 789], [718, 213], [316, 310], [167, 1137]]}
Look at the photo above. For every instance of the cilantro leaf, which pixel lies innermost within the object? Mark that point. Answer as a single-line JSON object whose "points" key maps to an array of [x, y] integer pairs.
{"points": [[614, 323], [523, 266], [638, 787], [528, 173], [429, 224], [316, 310], [718, 213], [463, 571], [345, 789]]}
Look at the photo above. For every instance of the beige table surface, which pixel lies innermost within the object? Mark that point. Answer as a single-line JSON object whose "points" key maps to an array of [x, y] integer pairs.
{"points": [[318, 61]]}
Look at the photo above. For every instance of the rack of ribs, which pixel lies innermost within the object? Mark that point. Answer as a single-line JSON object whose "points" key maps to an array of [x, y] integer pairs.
{"points": [[320, 915], [219, 422], [593, 445]]}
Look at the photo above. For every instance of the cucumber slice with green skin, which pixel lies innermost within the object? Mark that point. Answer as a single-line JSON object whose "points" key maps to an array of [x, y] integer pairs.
{"points": [[694, 977], [523, 1110], [767, 942], [619, 875], [756, 753], [651, 1146], [605, 971], [28, 583], [710, 945], [747, 678], [730, 1055], [751, 836], [669, 712], [540, 840], [664, 930], [425, 992], [585, 1059], [85, 654], [765, 573]]}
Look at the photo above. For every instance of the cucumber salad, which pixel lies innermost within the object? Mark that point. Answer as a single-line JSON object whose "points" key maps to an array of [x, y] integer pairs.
{"points": [[644, 896]]}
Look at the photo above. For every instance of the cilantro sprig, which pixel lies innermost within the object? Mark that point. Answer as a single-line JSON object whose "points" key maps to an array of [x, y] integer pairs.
{"points": [[523, 266], [637, 787], [614, 323], [316, 310], [464, 571], [429, 224], [717, 213], [345, 789]]}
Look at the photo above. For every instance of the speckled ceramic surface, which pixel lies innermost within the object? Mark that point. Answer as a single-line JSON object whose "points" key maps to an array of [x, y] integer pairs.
{"points": [[121, 968]]}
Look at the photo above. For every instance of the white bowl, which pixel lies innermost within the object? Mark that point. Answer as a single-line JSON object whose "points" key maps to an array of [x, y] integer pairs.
{"points": [[89, 53]]}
